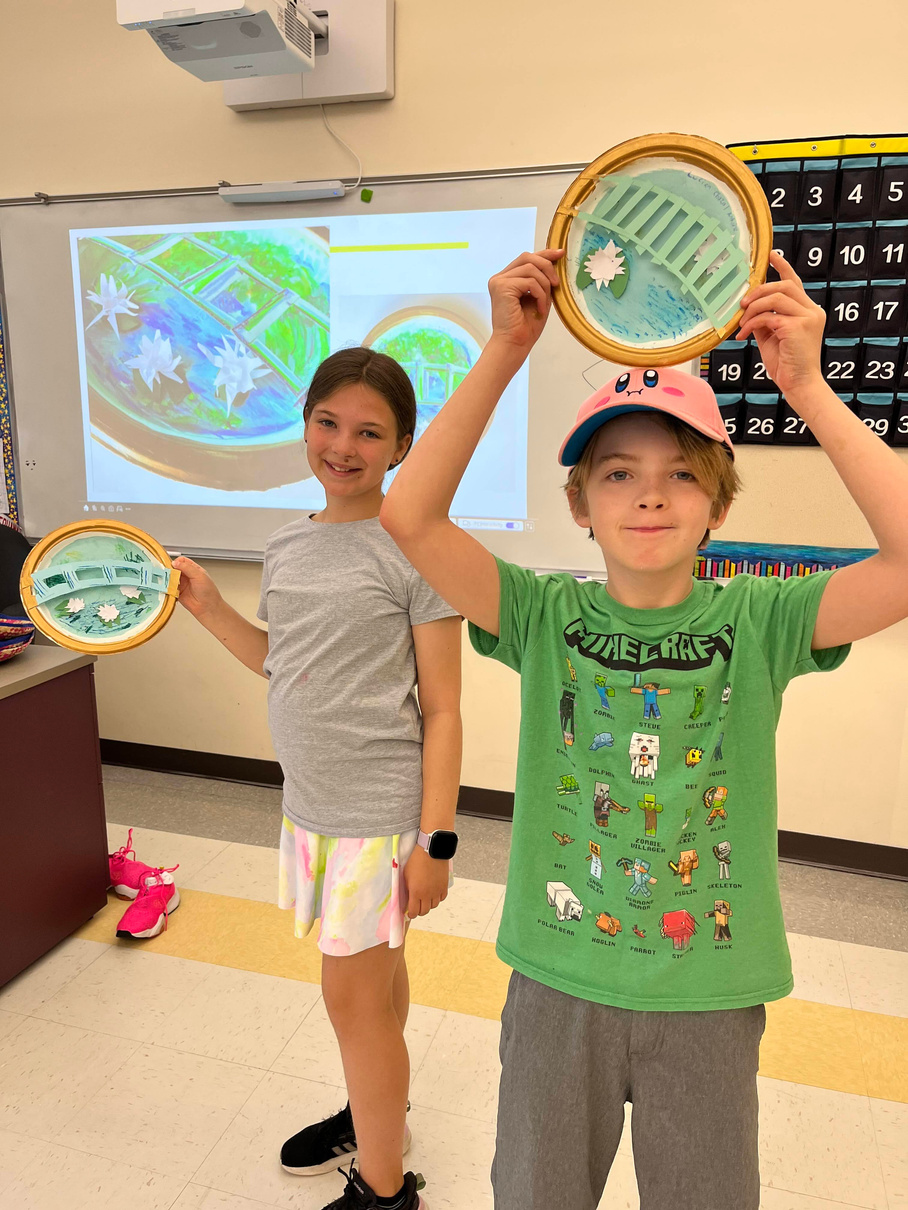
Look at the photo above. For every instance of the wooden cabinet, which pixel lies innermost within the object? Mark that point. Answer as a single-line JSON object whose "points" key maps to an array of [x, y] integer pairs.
{"points": [[53, 841]]}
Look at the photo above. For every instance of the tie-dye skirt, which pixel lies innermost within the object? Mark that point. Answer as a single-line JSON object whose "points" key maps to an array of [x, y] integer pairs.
{"points": [[354, 886]]}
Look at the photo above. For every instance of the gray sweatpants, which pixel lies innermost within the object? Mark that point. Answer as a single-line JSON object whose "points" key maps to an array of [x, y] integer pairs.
{"points": [[569, 1066]]}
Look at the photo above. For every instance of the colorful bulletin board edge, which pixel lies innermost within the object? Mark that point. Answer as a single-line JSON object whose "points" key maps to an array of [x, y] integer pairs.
{"points": [[723, 560], [6, 435], [824, 148]]}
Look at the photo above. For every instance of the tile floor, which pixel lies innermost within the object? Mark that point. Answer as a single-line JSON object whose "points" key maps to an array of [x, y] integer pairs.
{"points": [[133, 1076]]}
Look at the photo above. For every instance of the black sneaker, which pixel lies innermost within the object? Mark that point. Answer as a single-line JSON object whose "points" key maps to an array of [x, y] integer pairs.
{"points": [[325, 1145], [358, 1196]]}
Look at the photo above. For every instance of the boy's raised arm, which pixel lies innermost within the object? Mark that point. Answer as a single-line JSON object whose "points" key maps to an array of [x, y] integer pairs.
{"points": [[865, 597], [415, 511]]}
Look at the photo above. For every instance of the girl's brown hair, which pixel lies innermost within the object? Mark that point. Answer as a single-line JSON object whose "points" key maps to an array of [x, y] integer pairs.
{"points": [[381, 373], [709, 460]]}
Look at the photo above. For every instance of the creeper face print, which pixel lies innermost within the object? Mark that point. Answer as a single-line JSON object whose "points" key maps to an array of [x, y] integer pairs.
{"points": [[638, 869], [566, 904], [566, 710], [721, 913], [651, 694], [699, 699], [722, 854], [714, 799], [644, 754], [604, 804], [687, 862], [605, 691], [571, 669], [651, 812], [568, 784]]}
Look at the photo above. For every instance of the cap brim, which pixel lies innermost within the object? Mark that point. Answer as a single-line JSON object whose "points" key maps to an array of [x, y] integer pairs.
{"points": [[572, 450]]}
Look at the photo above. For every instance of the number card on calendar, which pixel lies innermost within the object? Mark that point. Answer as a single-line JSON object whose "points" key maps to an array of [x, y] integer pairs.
{"points": [[840, 215]]}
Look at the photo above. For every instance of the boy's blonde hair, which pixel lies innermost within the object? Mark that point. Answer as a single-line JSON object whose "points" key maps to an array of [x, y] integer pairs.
{"points": [[709, 460]]}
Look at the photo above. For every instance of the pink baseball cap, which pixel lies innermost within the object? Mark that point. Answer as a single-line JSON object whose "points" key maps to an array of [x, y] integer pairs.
{"points": [[657, 390]]}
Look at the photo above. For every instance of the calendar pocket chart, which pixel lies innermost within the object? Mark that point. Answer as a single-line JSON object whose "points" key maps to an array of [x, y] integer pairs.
{"points": [[840, 217]]}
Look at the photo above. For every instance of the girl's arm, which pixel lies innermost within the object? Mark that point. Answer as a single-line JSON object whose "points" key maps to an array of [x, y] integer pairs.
{"points": [[415, 511], [438, 646], [199, 594], [864, 597]]}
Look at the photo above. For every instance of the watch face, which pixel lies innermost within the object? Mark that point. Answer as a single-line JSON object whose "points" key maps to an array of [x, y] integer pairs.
{"points": [[443, 845]]}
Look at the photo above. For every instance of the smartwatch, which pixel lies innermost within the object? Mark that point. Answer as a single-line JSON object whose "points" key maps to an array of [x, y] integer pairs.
{"points": [[440, 844]]}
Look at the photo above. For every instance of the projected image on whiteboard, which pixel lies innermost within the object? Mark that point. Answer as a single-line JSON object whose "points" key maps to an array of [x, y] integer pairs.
{"points": [[197, 346]]}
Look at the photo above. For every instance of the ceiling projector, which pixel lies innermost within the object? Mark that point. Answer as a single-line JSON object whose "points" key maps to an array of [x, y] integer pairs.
{"points": [[234, 42]]}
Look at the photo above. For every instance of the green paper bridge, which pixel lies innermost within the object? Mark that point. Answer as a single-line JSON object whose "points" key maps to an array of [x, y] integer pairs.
{"points": [[60, 581], [670, 231]]}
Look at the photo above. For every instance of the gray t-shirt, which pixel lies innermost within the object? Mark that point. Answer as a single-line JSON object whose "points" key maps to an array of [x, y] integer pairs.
{"points": [[339, 600]]}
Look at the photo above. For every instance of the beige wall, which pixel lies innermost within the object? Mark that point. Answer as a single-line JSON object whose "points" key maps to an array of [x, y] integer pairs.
{"points": [[87, 106]]}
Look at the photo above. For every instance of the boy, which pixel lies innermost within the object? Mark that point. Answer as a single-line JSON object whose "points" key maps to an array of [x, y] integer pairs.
{"points": [[664, 1014]]}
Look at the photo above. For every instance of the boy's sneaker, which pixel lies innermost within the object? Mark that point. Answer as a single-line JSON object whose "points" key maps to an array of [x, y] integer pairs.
{"points": [[157, 897], [325, 1145], [125, 870], [358, 1195]]}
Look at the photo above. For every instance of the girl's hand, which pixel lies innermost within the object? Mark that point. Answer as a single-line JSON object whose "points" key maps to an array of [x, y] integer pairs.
{"points": [[198, 592], [426, 879], [522, 297], [788, 327]]}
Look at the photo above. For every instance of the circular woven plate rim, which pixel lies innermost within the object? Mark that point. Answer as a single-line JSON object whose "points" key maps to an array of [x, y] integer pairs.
{"points": [[695, 150], [120, 528]]}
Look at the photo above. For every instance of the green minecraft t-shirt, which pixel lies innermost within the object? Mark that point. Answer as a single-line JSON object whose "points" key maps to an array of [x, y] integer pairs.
{"points": [[643, 867]]}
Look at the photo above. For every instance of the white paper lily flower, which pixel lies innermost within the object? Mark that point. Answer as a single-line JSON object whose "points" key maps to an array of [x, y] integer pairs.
{"points": [[237, 369], [108, 613], [704, 250], [113, 301], [155, 357], [75, 605], [132, 593], [605, 264]]}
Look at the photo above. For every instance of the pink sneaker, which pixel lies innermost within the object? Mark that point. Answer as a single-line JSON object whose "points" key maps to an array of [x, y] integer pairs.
{"points": [[157, 897], [125, 871]]}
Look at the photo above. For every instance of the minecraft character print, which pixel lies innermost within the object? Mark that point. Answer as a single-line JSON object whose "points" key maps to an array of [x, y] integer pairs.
{"points": [[692, 757], [714, 799], [638, 869], [568, 784], [644, 753], [608, 924], [566, 904], [726, 693], [566, 711], [563, 838], [604, 804], [699, 700], [605, 691], [680, 926], [604, 739], [684, 867], [651, 812], [571, 669], [651, 693], [722, 854], [721, 913], [717, 751], [594, 857]]}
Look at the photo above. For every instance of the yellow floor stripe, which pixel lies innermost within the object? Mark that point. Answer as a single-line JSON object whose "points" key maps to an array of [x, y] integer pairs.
{"points": [[841, 1049]]}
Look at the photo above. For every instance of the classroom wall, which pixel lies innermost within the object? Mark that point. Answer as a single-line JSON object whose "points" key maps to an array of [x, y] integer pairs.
{"points": [[87, 106]]}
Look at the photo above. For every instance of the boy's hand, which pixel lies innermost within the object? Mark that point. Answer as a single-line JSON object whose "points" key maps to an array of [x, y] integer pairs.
{"points": [[198, 592], [522, 297], [788, 327], [426, 879]]}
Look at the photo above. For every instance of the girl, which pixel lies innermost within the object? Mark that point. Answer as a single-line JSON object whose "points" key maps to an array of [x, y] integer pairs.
{"points": [[370, 775]]}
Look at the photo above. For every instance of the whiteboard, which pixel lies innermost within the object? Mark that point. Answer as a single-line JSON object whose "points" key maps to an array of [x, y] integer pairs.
{"points": [[44, 365]]}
